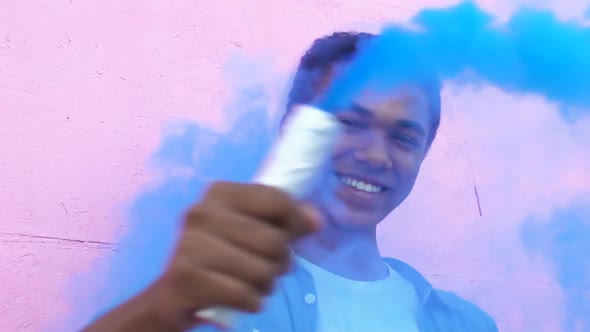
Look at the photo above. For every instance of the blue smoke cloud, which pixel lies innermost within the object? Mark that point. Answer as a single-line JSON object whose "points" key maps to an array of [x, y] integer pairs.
{"points": [[532, 53], [565, 241], [189, 160]]}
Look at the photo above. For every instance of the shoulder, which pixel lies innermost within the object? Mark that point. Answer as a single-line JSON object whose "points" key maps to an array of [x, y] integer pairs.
{"points": [[468, 313], [463, 313]]}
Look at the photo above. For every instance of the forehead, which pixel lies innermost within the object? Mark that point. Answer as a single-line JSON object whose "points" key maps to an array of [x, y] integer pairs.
{"points": [[408, 102]]}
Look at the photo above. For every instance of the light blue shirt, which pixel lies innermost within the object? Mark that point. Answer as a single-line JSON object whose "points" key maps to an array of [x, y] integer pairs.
{"points": [[293, 307], [386, 304]]}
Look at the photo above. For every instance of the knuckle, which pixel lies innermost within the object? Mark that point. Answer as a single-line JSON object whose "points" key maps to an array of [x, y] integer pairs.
{"points": [[275, 244], [278, 241], [271, 195], [217, 186], [266, 273], [199, 214], [180, 277], [254, 303], [245, 297], [220, 189], [267, 287], [285, 266]]}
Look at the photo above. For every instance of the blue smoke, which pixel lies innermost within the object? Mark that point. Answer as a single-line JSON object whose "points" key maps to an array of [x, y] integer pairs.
{"points": [[532, 53], [565, 240], [189, 161]]}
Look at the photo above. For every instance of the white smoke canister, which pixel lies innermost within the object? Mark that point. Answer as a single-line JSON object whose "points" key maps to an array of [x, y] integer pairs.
{"points": [[293, 165]]}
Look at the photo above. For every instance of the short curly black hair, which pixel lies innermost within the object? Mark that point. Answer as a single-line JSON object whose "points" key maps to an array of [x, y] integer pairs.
{"points": [[339, 48]]}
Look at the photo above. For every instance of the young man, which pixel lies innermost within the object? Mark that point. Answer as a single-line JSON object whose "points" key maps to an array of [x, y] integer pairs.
{"points": [[241, 238]]}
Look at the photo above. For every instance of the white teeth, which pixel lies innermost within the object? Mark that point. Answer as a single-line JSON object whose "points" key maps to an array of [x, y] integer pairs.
{"points": [[360, 185]]}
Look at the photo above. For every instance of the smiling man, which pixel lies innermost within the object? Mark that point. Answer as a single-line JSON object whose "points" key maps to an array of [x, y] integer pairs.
{"points": [[340, 281], [239, 241]]}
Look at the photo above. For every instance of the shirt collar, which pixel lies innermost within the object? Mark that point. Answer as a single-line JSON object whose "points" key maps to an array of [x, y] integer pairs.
{"points": [[423, 288]]}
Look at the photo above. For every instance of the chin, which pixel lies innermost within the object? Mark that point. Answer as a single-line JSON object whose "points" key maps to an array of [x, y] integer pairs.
{"points": [[348, 208], [346, 216]]}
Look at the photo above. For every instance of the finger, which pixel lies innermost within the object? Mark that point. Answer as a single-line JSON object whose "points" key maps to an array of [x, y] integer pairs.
{"points": [[219, 289], [260, 201], [231, 260], [311, 220], [250, 234]]}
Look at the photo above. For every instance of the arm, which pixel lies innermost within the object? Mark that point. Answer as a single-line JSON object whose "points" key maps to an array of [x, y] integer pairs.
{"points": [[214, 264]]}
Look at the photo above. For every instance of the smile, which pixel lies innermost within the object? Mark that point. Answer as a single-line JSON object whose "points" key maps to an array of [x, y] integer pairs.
{"points": [[360, 184]]}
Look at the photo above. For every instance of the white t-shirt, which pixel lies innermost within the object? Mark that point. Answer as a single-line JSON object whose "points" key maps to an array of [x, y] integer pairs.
{"points": [[345, 305]]}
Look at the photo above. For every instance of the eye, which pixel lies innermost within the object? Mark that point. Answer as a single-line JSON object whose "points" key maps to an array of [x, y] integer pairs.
{"points": [[352, 123], [406, 139]]}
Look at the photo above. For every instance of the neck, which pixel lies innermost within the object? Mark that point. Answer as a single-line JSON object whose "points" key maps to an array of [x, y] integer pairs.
{"points": [[350, 253]]}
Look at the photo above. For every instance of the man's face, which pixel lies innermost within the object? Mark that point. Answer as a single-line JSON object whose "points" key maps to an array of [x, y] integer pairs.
{"points": [[377, 158]]}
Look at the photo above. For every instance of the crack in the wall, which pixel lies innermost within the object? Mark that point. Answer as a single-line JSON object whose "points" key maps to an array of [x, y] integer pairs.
{"points": [[64, 206], [470, 163], [9, 237], [477, 199], [528, 283]]}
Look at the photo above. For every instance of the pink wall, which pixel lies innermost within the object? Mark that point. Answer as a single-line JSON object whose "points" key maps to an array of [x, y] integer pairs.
{"points": [[85, 88]]}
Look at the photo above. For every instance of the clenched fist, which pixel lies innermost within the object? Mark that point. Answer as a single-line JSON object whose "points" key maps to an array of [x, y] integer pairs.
{"points": [[234, 244]]}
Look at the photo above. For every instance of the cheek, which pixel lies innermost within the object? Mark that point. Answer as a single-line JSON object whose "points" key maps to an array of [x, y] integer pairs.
{"points": [[409, 179], [406, 166], [343, 147], [409, 165]]}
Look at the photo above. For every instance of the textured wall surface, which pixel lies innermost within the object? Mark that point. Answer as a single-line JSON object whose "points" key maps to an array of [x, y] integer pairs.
{"points": [[85, 87]]}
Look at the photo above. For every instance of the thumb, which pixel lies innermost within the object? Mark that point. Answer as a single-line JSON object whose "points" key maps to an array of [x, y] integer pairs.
{"points": [[306, 221]]}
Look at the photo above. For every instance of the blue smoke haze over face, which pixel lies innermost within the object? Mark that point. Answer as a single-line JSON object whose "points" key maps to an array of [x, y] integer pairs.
{"points": [[532, 53]]}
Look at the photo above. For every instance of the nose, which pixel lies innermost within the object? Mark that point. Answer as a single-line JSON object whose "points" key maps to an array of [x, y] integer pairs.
{"points": [[373, 150]]}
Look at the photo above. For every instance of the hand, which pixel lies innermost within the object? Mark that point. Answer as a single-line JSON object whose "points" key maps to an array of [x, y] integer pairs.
{"points": [[234, 244]]}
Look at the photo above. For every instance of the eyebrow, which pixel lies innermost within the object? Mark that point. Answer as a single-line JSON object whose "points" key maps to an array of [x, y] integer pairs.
{"points": [[412, 125], [360, 109], [404, 124]]}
